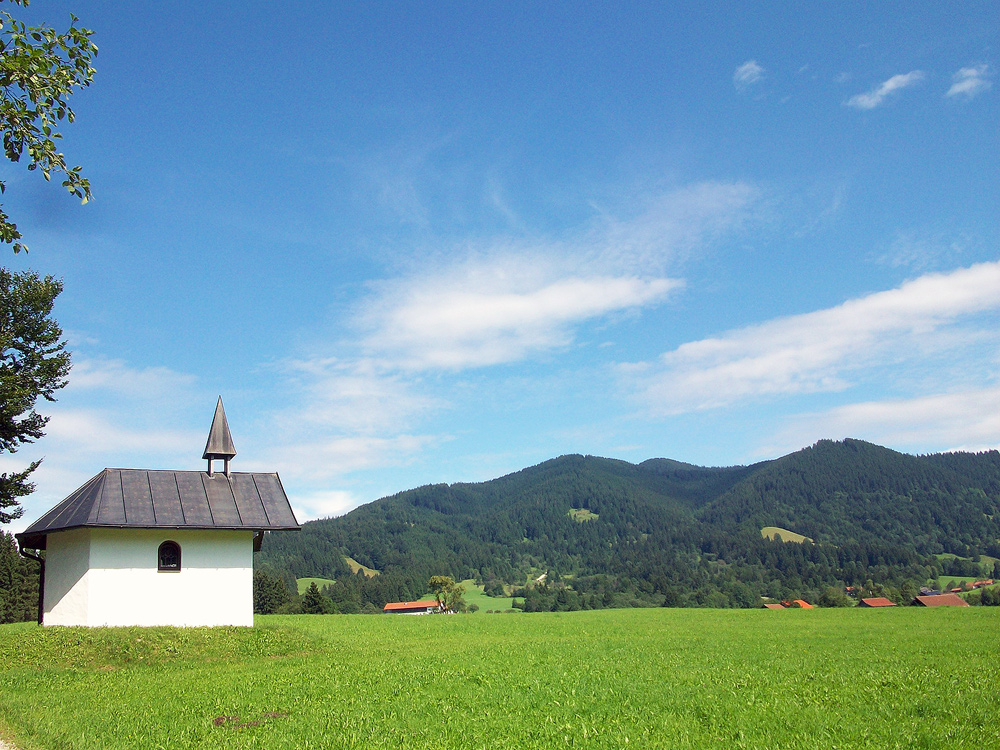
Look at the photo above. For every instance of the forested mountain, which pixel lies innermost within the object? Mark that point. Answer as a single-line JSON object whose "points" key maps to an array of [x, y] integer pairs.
{"points": [[611, 533]]}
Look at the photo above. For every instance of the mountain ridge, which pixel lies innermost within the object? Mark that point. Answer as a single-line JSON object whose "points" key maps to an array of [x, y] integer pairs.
{"points": [[665, 526]]}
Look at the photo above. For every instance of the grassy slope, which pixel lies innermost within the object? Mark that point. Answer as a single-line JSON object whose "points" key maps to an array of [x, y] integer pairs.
{"points": [[769, 532], [652, 678], [355, 566]]}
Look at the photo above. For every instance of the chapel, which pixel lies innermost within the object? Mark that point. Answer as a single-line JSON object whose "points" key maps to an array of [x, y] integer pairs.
{"points": [[154, 547]]}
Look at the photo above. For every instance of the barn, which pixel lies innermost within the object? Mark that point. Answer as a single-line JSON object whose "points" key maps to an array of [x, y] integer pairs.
{"points": [[154, 547], [941, 600], [423, 607]]}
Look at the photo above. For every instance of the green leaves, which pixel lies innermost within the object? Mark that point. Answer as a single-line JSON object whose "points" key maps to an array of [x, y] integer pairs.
{"points": [[40, 69], [33, 363]]}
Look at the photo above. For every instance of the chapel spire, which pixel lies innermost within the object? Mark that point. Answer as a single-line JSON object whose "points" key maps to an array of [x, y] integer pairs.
{"points": [[220, 441]]}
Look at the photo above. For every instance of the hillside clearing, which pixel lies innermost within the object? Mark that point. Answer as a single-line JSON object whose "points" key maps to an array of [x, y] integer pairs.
{"points": [[355, 566], [776, 533], [660, 678]]}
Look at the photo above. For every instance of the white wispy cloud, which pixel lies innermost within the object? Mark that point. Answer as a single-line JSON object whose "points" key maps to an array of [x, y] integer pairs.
{"points": [[970, 82], [501, 302], [966, 420], [116, 376], [815, 351], [324, 504], [747, 74], [878, 95], [924, 250], [316, 458], [668, 229], [488, 313], [354, 396], [87, 431]]}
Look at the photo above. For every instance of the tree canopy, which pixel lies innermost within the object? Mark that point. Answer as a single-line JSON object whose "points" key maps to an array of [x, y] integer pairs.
{"points": [[40, 68], [448, 593], [33, 363]]}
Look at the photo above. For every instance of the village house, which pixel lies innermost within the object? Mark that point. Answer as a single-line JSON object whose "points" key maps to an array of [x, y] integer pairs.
{"points": [[941, 600], [876, 601], [424, 607], [143, 547]]}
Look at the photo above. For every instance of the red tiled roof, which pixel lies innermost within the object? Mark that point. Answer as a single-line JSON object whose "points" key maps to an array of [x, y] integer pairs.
{"points": [[877, 601], [803, 604], [942, 600], [403, 606]]}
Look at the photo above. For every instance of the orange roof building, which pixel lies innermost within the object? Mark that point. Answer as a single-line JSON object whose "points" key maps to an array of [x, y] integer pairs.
{"points": [[941, 600], [876, 601], [423, 607]]}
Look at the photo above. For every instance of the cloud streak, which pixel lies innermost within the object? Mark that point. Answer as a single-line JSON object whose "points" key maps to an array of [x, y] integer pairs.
{"points": [[747, 75], [115, 376], [816, 351], [507, 301], [970, 82], [878, 95], [495, 312], [966, 420]]}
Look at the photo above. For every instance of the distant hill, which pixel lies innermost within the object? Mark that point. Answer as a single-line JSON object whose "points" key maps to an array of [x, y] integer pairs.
{"points": [[667, 532]]}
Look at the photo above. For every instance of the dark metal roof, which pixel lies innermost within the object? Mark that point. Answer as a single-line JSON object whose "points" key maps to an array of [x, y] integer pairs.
{"points": [[144, 499], [220, 441]]}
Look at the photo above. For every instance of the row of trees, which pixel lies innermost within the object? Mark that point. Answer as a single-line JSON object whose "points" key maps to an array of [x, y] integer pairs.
{"points": [[272, 595]]}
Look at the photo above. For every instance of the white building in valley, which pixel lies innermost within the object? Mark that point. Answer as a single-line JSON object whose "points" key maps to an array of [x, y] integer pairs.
{"points": [[143, 547]]}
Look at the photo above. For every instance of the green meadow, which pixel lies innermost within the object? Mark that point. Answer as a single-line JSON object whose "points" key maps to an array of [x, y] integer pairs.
{"points": [[646, 678]]}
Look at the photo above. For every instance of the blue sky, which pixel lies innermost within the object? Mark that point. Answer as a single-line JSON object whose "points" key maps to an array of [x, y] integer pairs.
{"points": [[431, 242]]}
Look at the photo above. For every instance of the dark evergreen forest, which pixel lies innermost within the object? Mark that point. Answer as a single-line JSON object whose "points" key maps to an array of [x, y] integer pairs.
{"points": [[665, 533], [18, 583]]}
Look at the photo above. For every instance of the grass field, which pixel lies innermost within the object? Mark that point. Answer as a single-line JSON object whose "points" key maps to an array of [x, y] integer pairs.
{"points": [[771, 532], [474, 595], [845, 678]]}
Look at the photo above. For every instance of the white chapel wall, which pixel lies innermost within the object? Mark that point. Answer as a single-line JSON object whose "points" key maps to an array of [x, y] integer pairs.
{"points": [[67, 561], [123, 586]]}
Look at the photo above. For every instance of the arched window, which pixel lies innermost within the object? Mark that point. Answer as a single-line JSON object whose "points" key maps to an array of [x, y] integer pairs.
{"points": [[168, 556]]}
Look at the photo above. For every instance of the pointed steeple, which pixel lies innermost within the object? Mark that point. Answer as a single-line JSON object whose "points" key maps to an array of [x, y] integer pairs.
{"points": [[220, 441]]}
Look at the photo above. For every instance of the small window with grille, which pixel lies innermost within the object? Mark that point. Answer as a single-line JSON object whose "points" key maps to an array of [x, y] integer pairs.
{"points": [[169, 556]]}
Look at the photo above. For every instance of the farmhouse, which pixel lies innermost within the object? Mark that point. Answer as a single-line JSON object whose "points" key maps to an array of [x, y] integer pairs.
{"points": [[941, 600], [142, 547], [876, 601], [424, 607]]}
